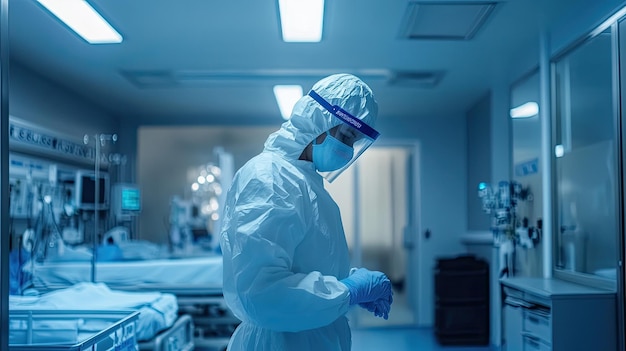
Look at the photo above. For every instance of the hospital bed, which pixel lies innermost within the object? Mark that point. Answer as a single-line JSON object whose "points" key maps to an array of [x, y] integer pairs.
{"points": [[157, 324], [51, 330], [196, 282]]}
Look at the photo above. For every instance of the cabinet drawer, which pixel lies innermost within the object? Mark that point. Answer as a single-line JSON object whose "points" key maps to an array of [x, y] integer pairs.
{"points": [[532, 343], [538, 323]]}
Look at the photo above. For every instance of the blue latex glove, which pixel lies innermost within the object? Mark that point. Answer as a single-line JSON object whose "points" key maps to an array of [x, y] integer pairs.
{"points": [[380, 307], [367, 286]]}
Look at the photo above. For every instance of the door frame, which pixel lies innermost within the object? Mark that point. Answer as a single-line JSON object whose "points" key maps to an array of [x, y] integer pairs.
{"points": [[412, 239]]}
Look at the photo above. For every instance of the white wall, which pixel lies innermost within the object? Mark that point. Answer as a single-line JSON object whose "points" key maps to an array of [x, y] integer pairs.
{"points": [[478, 161], [35, 99]]}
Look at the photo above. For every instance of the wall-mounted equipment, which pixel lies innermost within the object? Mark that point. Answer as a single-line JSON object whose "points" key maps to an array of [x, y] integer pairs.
{"points": [[86, 190], [125, 201]]}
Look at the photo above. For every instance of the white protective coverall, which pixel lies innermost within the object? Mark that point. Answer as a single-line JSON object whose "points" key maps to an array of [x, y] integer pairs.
{"points": [[282, 237]]}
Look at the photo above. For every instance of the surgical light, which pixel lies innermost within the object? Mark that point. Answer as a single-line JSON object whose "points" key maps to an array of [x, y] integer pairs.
{"points": [[526, 110], [301, 20], [214, 204], [84, 20], [286, 97], [201, 179], [195, 186]]}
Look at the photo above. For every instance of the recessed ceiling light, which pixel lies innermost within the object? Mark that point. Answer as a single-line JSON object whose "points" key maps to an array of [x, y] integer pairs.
{"points": [[301, 20], [526, 110], [559, 151], [286, 97], [84, 20]]}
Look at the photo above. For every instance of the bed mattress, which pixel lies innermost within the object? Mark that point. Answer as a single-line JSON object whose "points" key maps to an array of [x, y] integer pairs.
{"points": [[157, 311], [197, 271]]}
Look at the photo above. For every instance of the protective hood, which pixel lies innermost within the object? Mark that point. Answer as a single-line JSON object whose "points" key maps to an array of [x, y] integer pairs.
{"points": [[309, 119]]}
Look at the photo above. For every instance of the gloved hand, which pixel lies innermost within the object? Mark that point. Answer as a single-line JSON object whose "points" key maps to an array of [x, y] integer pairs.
{"points": [[367, 286], [380, 307]]}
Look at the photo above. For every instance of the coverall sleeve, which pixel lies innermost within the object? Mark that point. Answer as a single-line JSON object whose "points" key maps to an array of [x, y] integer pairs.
{"points": [[267, 223]]}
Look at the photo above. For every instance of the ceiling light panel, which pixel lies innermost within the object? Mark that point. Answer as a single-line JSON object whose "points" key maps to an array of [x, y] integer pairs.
{"points": [[286, 97], [445, 20], [84, 20], [300, 20], [526, 110]]}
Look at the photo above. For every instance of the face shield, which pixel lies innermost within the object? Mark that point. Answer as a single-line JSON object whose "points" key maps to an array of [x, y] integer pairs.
{"points": [[351, 137]]}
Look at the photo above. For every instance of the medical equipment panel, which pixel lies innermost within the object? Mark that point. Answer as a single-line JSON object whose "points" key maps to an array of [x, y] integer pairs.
{"points": [[125, 201], [72, 330], [86, 190], [179, 337]]}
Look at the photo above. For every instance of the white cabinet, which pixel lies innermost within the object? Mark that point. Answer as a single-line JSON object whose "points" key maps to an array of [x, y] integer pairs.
{"points": [[555, 315], [513, 314]]}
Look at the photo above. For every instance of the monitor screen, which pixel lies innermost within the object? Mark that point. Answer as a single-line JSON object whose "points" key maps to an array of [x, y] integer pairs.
{"points": [[130, 199], [86, 191]]}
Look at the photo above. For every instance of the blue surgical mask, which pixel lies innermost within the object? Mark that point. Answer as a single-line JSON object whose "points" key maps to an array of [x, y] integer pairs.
{"points": [[331, 154]]}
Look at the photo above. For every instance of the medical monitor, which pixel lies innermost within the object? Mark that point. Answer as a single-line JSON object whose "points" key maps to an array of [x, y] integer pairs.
{"points": [[86, 190], [126, 201]]}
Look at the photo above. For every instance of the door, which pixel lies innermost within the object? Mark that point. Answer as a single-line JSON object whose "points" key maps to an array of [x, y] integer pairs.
{"points": [[377, 210]]}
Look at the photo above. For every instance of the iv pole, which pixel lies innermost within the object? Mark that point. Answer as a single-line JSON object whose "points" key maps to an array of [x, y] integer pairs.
{"points": [[99, 141]]}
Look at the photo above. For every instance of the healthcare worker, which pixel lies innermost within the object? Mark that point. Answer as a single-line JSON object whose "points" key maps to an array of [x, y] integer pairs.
{"points": [[286, 260]]}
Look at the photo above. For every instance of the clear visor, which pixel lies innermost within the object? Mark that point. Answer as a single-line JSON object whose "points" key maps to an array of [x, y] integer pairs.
{"points": [[351, 131]]}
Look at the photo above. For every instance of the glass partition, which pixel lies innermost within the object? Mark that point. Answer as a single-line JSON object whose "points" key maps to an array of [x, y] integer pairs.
{"points": [[526, 135], [586, 166]]}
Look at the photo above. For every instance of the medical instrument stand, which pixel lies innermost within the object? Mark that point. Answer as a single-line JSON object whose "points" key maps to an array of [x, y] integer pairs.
{"points": [[501, 204], [100, 140]]}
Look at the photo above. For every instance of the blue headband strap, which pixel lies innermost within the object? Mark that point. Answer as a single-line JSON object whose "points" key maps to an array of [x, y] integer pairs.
{"points": [[345, 116]]}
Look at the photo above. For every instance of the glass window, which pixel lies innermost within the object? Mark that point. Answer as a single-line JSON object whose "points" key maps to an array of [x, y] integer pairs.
{"points": [[586, 165], [526, 133]]}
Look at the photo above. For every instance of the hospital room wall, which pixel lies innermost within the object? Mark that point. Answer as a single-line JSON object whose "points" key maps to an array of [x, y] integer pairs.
{"points": [[442, 200], [479, 161], [46, 104], [35, 99]]}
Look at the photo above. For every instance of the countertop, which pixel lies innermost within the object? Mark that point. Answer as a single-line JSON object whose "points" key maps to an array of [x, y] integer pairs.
{"points": [[554, 288]]}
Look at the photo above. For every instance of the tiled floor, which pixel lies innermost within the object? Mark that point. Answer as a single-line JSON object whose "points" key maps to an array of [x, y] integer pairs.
{"points": [[392, 339], [396, 333], [371, 333], [403, 339]]}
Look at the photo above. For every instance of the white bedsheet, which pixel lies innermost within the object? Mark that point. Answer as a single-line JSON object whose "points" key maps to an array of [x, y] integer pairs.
{"points": [[158, 311], [197, 271]]}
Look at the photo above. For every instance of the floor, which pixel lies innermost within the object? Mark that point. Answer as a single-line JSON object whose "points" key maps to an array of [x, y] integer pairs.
{"points": [[372, 333], [404, 339], [393, 338]]}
